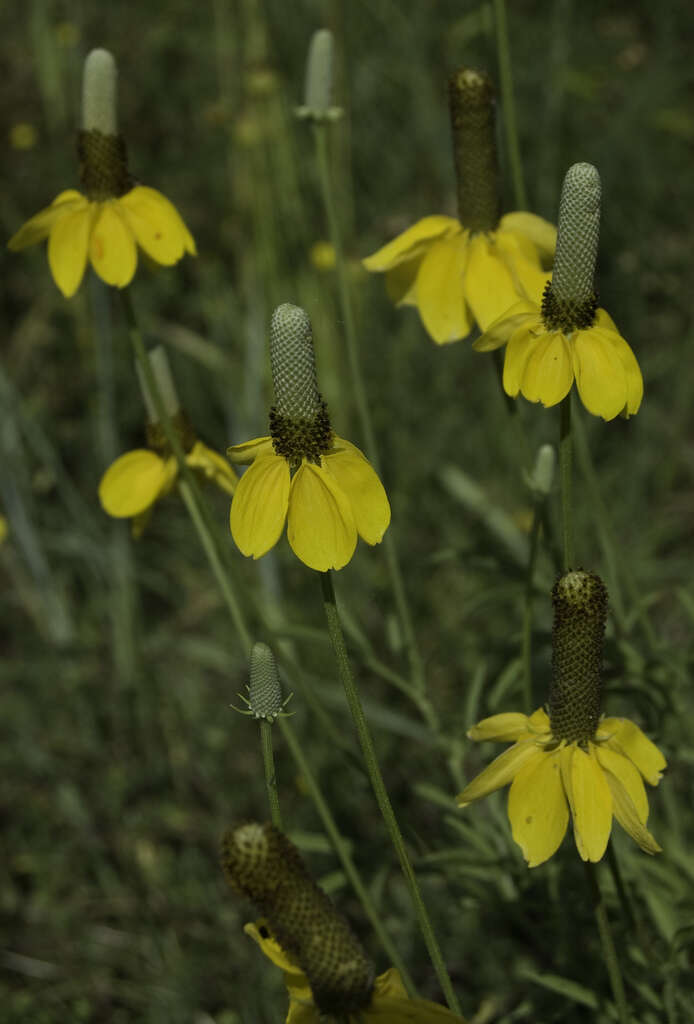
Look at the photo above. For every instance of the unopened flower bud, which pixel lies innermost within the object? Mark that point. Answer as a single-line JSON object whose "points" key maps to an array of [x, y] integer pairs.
{"points": [[259, 861], [156, 438], [542, 477], [471, 103], [318, 92], [570, 302], [580, 610]]}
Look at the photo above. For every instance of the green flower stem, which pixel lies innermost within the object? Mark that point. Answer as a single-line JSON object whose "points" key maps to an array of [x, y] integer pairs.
{"points": [[507, 98], [374, 772], [320, 135], [270, 778], [607, 942], [565, 481], [526, 643], [342, 850]]}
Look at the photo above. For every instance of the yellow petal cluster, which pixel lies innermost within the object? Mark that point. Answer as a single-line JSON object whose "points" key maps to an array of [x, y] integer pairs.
{"points": [[457, 278], [106, 233], [390, 1003], [326, 505], [552, 779], [132, 484], [542, 364]]}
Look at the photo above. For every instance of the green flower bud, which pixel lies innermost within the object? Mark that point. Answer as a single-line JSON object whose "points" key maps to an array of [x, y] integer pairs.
{"points": [[580, 610], [570, 301], [318, 91], [260, 862], [471, 103]]}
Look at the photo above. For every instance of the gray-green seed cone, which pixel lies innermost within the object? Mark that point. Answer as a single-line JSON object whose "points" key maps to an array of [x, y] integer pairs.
{"points": [[570, 301], [318, 92], [259, 861], [99, 93], [293, 363], [102, 153], [580, 610], [264, 691]]}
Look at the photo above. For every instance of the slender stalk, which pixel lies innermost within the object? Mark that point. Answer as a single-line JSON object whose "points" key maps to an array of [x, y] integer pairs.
{"points": [[509, 106], [341, 848], [270, 777], [526, 642], [378, 786], [320, 136], [607, 942], [565, 478]]}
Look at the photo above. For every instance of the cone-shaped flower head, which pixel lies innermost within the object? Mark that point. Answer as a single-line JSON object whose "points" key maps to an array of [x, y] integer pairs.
{"points": [[113, 216], [318, 92], [571, 762], [564, 336], [326, 970], [459, 272], [303, 473], [133, 484]]}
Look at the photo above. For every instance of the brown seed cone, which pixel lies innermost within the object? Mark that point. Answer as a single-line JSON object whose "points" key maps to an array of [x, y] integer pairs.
{"points": [[103, 165], [471, 102]]}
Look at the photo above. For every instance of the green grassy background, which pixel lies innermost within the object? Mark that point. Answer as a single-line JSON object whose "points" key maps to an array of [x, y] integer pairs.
{"points": [[121, 761]]}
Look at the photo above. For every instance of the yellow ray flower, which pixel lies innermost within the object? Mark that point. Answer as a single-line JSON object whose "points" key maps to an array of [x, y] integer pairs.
{"points": [[106, 224], [457, 277], [303, 474], [563, 336], [389, 1004], [133, 484], [550, 777], [106, 233]]}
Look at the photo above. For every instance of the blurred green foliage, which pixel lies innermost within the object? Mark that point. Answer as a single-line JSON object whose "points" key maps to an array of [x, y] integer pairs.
{"points": [[121, 762]]}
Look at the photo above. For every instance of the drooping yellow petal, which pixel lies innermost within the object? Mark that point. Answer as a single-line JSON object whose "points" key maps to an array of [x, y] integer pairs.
{"points": [[134, 482], [590, 800], [632, 372], [156, 224], [358, 480], [628, 775], [259, 506], [440, 298], [504, 728], [500, 772], [388, 1010], [521, 345], [600, 376], [628, 817], [548, 373], [488, 286], [523, 264], [294, 978], [539, 231], [320, 523], [411, 243], [523, 314], [39, 226], [213, 465], [401, 282], [112, 248], [626, 738], [244, 454], [68, 244], [537, 808]]}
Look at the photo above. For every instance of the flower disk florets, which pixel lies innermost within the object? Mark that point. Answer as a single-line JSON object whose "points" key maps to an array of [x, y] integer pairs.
{"points": [[297, 439], [567, 316], [103, 165]]}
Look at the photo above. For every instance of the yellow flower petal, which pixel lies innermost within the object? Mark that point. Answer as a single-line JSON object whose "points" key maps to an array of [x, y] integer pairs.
{"points": [[628, 817], [522, 313], [523, 264], [440, 290], [134, 482], [259, 506], [68, 244], [628, 775], [590, 800], [548, 373], [487, 284], [521, 345], [300, 994], [214, 466], [500, 772], [632, 372], [112, 248], [39, 226], [537, 808], [401, 283], [245, 453], [156, 224], [411, 243], [357, 479], [505, 728], [626, 738], [600, 376], [539, 231], [320, 523]]}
